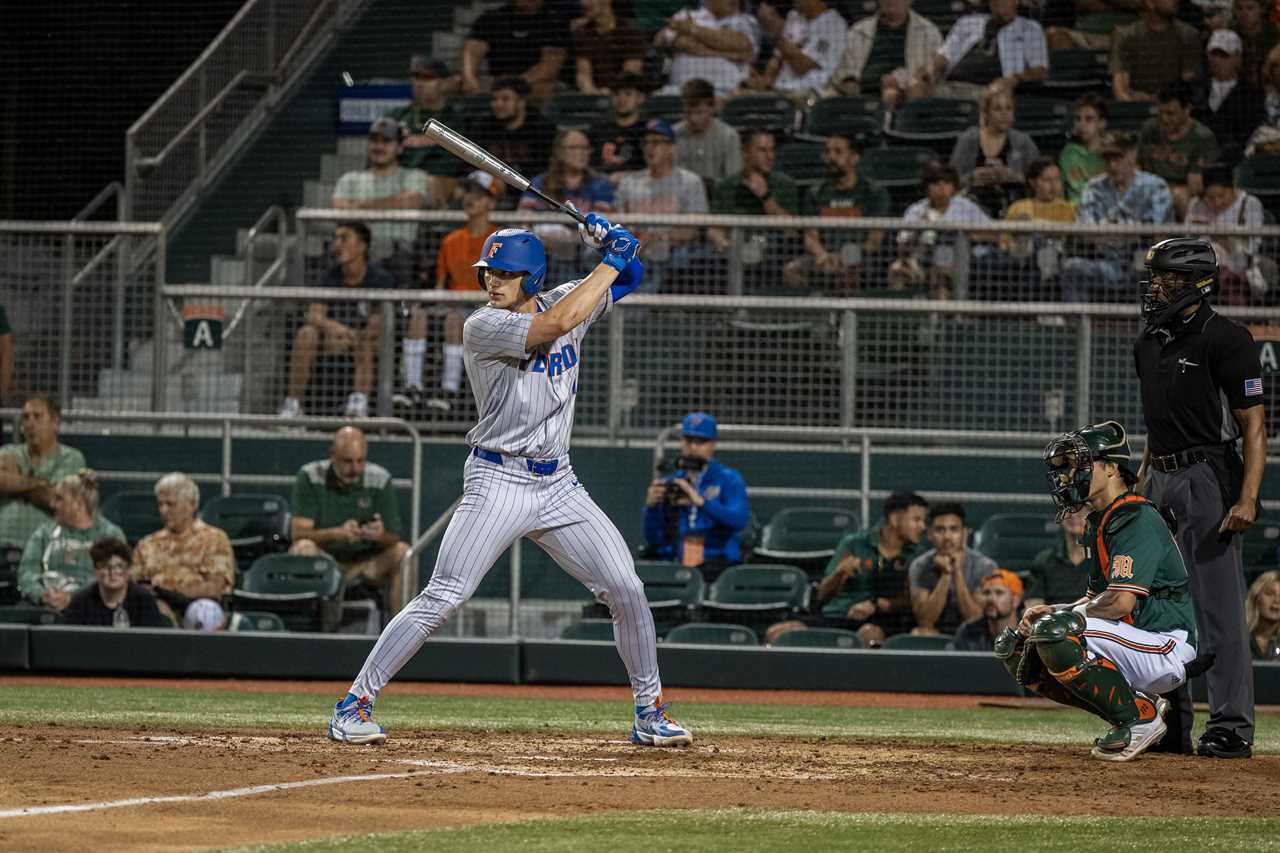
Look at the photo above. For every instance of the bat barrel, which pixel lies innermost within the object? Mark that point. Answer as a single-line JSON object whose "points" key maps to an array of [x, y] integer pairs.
{"points": [[463, 148]]}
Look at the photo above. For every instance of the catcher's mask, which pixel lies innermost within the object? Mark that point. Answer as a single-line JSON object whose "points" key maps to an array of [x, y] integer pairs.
{"points": [[1070, 458], [1181, 271]]}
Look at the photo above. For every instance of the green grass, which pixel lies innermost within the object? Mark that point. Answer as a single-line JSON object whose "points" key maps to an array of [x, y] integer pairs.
{"points": [[735, 830], [228, 711]]}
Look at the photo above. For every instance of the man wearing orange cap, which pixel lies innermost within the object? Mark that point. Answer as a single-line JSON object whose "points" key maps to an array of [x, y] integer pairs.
{"points": [[1001, 597]]}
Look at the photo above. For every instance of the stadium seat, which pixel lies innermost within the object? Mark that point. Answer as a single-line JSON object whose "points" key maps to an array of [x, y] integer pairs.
{"points": [[1261, 547], [819, 638], [674, 592], [669, 107], [771, 112], [134, 511], [897, 169], [802, 161], [306, 592], [849, 116], [1260, 175], [256, 524], [9, 559], [706, 634], [26, 614], [1073, 72], [914, 643], [757, 595], [255, 620], [935, 122], [573, 109], [1129, 116], [805, 536], [1014, 539], [589, 629], [1045, 120]]}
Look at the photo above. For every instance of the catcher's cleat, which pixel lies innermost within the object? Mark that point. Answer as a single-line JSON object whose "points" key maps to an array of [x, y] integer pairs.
{"points": [[1125, 743], [654, 727], [352, 721]]}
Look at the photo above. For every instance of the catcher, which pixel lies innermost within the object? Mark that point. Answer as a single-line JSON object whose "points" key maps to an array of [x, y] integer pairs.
{"points": [[1131, 636]]}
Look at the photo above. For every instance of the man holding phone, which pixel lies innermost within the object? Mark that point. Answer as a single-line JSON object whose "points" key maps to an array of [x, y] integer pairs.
{"points": [[345, 507]]}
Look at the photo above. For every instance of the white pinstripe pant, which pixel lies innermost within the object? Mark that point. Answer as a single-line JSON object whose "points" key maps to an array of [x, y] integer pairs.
{"points": [[501, 503]]}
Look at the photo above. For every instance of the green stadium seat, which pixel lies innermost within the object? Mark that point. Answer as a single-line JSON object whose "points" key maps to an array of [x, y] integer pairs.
{"points": [[1261, 547], [669, 107], [706, 634], [9, 558], [819, 638], [134, 511], [1045, 120], [255, 620], [589, 629], [914, 643], [306, 592], [573, 109], [935, 122], [674, 592], [256, 523], [896, 166], [771, 112], [1014, 539], [802, 161], [757, 595], [1073, 72], [805, 536], [848, 116], [1260, 175], [1129, 116]]}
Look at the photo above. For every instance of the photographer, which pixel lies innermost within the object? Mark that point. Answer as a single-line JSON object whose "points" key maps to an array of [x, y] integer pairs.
{"points": [[694, 513]]}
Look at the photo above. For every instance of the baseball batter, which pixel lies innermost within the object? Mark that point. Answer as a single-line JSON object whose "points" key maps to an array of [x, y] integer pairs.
{"points": [[522, 355], [1131, 636]]}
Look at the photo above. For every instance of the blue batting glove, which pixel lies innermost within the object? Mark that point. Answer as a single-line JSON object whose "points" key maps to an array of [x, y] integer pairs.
{"points": [[620, 247]]}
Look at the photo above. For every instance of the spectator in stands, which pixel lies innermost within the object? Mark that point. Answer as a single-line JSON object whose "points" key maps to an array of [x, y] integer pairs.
{"points": [[1122, 194], [1153, 52], [346, 508], [113, 599], [569, 177], [1001, 48], [341, 326], [1230, 107], [6, 358], [807, 48], [454, 271], [432, 87], [716, 42], [608, 48], [1245, 273], [617, 140], [1081, 158], [946, 579], [864, 587], [992, 158], [1001, 600], [513, 132], [705, 145], [1262, 616], [883, 53], [1106, 16], [30, 468], [1176, 147], [758, 190], [55, 562], [1044, 203], [938, 260], [526, 39], [1059, 573], [695, 514], [663, 187], [187, 563], [1266, 138], [1258, 35], [386, 185], [836, 258]]}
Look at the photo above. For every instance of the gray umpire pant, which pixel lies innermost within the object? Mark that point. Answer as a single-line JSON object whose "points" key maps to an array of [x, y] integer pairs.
{"points": [[1217, 587]]}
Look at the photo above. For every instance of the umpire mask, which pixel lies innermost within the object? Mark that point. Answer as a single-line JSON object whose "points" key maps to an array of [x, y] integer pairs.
{"points": [[1181, 271]]}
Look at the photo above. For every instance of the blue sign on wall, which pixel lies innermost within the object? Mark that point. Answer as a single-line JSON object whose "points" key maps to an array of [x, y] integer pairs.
{"points": [[359, 106]]}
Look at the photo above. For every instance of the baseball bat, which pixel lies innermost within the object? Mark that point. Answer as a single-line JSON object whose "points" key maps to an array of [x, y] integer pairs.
{"points": [[466, 150]]}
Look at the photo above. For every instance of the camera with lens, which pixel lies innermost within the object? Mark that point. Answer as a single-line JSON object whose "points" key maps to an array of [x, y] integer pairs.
{"points": [[678, 466]]}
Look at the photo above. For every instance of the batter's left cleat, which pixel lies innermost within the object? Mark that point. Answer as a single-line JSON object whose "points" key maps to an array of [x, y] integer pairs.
{"points": [[1125, 743], [352, 721], [653, 726]]}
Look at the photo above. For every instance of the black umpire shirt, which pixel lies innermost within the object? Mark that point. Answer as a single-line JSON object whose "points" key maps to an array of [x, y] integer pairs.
{"points": [[1194, 372]]}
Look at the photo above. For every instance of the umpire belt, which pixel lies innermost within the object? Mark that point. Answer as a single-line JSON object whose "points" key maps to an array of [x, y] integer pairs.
{"points": [[1171, 462], [542, 468]]}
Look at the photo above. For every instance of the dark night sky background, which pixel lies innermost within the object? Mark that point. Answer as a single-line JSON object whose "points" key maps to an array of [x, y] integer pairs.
{"points": [[74, 74]]}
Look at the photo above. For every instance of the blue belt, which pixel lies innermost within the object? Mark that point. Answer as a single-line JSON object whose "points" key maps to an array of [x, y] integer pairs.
{"points": [[542, 469]]}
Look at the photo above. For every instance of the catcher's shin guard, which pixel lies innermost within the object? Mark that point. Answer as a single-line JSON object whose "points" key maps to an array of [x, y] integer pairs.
{"points": [[1026, 667], [1095, 685]]}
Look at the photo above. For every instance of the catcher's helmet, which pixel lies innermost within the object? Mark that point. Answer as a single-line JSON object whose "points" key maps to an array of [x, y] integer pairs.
{"points": [[1070, 459], [514, 250], [1186, 272]]}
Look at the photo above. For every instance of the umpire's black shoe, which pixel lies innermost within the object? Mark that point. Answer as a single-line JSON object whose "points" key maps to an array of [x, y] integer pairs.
{"points": [[1223, 743]]}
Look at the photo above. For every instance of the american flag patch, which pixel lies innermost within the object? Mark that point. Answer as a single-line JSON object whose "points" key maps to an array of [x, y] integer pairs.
{"points": [[1253, 387]]}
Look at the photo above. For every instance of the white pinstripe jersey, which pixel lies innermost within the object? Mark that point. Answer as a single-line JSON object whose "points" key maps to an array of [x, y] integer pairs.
{"points": [[524, 399]]}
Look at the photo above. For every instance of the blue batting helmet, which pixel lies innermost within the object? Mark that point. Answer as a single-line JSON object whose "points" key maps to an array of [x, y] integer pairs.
{"points": [[514, 250]]}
